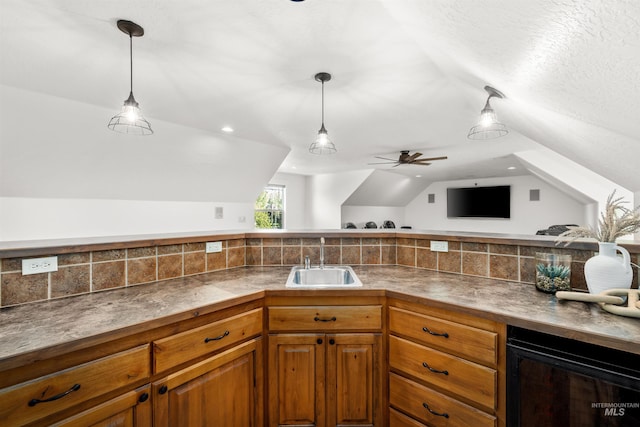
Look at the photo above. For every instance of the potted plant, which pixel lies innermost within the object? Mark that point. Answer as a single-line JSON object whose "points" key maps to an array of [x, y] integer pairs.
{"points": [[553, 272], [606, 270]]}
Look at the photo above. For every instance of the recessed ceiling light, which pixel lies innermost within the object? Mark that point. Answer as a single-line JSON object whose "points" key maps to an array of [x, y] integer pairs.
{"points": [[418, 176], [227, 129], [511, 168]]}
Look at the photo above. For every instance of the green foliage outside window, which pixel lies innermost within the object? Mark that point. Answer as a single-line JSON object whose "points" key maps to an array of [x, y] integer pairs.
{"points": [[269, 208]]}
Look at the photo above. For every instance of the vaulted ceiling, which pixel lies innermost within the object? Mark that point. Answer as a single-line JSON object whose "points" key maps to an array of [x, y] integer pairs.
{"points": [[407, 75]]}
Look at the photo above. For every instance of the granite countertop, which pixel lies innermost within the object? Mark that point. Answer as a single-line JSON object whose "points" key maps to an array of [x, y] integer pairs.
{"points": [[88, 319]]}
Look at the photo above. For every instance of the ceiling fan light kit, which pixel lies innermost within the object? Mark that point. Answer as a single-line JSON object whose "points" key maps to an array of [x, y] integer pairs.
{"points": [[130, 119], [322, 144], [488, 126]]}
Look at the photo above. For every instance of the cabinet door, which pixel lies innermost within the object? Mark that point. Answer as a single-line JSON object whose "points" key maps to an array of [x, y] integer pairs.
{"points": [[354, 377], [296, 379], [224, 390], [132, 409]]}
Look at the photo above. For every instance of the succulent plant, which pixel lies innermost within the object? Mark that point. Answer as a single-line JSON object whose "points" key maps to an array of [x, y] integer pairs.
{"points": [[554, 270]]}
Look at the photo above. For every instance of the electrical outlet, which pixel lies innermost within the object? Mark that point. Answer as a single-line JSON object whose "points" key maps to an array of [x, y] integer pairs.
{"points": [[438, 246], [39, 265], [213, 247]]}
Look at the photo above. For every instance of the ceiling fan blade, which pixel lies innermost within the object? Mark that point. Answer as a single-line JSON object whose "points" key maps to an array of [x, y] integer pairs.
{"points": [[413, 157], [384, 158], [432, 158], [383, 163]]}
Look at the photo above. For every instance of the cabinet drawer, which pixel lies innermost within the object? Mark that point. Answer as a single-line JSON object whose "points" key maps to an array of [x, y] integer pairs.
{"points": [[466, 341], [467, 379], [424, 404], [325, 318], [32, 400], [398, 419], [179, 348]]}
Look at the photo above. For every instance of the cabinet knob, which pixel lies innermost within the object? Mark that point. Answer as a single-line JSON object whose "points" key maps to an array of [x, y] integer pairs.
{"points": [[163, 389], [319, 341], [332, 341], [143, 397]]}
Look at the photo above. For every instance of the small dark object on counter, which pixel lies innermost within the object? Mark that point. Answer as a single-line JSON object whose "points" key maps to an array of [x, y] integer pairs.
{"points": [[555, 230]]}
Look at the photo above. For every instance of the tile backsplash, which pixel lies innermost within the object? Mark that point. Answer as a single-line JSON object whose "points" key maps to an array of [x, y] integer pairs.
{"points": [[85, 272]]}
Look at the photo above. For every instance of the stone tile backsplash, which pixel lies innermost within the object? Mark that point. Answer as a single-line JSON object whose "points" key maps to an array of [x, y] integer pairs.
{"points": [[85, 272]]}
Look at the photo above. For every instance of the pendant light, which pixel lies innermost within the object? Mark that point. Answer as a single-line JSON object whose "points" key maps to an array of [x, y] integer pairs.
{"points": [[488, 126], [130, 119], [322, 144]]}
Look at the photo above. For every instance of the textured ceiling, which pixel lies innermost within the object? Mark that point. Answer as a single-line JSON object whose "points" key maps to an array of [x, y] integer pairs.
{"points": [[407, 74]]}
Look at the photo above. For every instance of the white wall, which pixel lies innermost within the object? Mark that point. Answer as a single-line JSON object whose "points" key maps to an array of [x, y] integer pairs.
{"points": [[295, 197], [325, 195], [359, 215], [35, 219], [64, 174], [554, 207]]}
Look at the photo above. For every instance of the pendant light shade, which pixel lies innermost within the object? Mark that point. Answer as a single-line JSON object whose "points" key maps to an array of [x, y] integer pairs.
{"points": [[130, 119], [488, 126], [322, 144]]}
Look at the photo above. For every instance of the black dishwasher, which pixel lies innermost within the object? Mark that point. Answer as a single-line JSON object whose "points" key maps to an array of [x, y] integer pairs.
{"points": [[554, 381]]}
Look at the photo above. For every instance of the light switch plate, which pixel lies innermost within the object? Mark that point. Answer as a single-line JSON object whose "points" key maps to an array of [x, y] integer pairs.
{"points": [[39, 265], [213, 247], [439, 246]]}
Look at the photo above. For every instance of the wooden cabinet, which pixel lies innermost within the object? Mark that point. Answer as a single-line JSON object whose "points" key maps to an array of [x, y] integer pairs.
{"points": [[325, 375], [167, 375], [43, 397], [223, 390], [446, 368]]}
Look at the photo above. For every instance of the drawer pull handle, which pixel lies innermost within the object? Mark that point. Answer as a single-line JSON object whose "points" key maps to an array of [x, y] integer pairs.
{"points": [[435, 334], [206, 340], [34, 402], [444, 414], [317, 319], [435, 371]]}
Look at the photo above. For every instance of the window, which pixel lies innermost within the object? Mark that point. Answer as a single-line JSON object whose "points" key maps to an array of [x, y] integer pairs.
{"points": [[270, 207]]}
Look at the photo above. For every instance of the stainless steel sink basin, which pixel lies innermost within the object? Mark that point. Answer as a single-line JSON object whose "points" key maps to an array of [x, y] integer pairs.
{"points": [[323, 277]]}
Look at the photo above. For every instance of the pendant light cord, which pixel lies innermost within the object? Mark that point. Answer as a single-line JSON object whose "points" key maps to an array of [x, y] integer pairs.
{"points": [[131, 62], [323, 103]]}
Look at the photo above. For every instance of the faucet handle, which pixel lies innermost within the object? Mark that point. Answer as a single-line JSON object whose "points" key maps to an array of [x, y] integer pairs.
{"points": [[322, 240]]}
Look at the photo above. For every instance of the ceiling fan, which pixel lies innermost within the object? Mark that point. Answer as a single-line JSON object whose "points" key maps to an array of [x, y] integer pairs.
{"points": [[408, 159]]}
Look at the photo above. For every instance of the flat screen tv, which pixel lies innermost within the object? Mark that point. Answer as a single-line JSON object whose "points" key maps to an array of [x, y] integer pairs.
{"points": [[479, 202]]}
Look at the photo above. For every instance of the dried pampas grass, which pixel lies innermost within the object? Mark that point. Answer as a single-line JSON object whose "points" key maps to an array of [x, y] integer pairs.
{"points": [[616, 221]]}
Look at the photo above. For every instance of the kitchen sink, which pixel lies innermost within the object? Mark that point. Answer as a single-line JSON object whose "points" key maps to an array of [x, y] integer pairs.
{"points": [[323, 277]]}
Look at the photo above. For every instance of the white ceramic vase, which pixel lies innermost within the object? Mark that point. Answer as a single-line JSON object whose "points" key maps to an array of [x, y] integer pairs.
{"points": [[607, 270]]}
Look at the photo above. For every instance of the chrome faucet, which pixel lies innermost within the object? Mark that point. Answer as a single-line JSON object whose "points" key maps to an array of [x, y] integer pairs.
{"points": [[307, 263], [322, 252]]}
